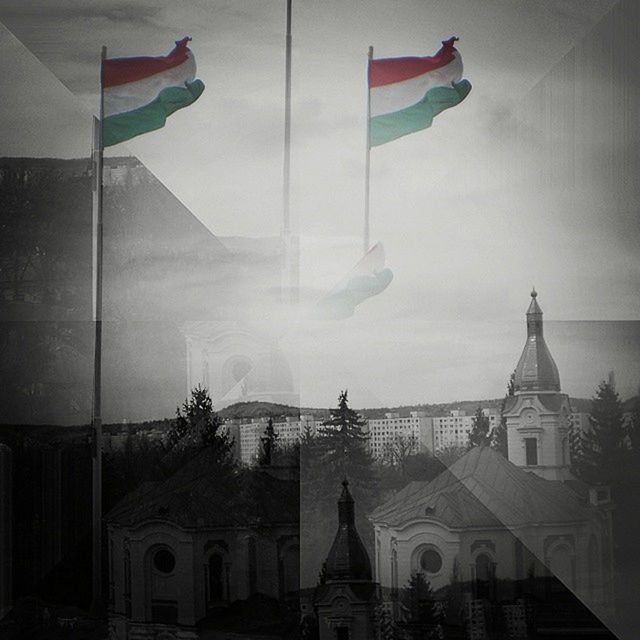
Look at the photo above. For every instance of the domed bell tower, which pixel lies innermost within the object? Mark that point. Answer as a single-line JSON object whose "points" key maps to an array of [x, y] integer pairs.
{"points": [[538, 415]]}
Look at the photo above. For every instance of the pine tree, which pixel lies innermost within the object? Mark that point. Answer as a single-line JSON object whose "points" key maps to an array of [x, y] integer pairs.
{"points": [[197, 427], [606, 454], [344, 441], [499, 439], [338, 450], [385, 626], [480, 434], [576, 449], [420, 607], [269, 443]]}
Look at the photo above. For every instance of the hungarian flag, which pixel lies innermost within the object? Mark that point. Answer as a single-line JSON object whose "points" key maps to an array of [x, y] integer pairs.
{"points": [[140, 93], [407, 93], [368, 278]]}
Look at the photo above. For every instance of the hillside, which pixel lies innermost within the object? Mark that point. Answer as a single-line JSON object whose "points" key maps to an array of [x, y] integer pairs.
{"points": [[268, 409]]}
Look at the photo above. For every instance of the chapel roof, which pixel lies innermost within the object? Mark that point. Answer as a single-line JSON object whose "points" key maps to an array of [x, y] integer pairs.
{"points": [[196, 496], [348, 558], [484, 489]]}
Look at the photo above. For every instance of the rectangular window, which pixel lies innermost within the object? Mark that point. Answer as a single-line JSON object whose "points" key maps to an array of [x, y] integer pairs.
{"points": [[531, 448]]}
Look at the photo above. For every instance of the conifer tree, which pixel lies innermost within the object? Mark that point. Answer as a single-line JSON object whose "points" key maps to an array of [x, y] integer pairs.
{"points": [[499, 440], [480, 434], [197, 427], [384, 623], [422, 614], [576, 449], [338, 451], [344, 441], [606, 454], [269, 442]]}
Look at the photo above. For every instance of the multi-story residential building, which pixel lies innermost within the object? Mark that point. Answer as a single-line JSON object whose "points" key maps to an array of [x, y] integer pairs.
{"points": [[393, 434], [581, 422], [453, 430], [248, 435]]}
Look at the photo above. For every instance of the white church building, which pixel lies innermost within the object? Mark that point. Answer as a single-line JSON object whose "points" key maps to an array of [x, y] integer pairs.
{"points": [[488, 520]]}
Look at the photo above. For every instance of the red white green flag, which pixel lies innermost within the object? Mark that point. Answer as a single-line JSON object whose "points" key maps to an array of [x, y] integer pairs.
{"points": [[407, 93], [140, 93]]}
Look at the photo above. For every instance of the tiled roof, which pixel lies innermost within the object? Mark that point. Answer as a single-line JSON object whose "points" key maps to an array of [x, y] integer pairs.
{"points": [[482, 489], [198, 497]]}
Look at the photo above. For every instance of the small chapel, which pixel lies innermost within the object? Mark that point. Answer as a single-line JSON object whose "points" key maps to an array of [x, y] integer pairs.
{"points": [[494, 524]]}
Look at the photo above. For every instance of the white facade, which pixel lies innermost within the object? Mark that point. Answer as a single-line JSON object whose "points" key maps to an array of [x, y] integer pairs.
{"points": [[561, 537], [413, 433], [164, 579], [453, 430], [538, 433]]}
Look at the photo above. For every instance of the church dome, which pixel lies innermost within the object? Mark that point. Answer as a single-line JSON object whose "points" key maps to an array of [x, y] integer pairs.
{"points": [[348, 558], [536, 370]]}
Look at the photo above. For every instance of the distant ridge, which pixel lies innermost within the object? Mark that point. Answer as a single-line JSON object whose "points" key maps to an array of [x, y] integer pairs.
{"points": [[268, 409]]}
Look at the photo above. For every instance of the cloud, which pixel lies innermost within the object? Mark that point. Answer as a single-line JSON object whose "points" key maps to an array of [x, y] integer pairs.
{"points": [[18, 12]]}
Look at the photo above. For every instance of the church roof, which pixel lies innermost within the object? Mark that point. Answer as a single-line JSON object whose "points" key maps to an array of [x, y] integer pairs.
{"points": [[348, 558], [536, 370], [483, 489], [198, 497], [552, 402]]}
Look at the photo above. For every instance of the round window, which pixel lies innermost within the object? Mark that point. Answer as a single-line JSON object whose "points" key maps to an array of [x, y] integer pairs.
{"points": [[431, 561], [164, 561]]}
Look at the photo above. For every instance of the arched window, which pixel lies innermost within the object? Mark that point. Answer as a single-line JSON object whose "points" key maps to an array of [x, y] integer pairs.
{"points": [[593, 564], [216, 577], [484, 567], [290, 567], [394, 570], [485, 574], [127, 580], [216, 572], [531, 451], [561, 564], [162, 584], [252, 562]]}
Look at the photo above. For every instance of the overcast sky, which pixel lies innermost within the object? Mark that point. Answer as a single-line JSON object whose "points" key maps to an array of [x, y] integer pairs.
{"points": [[464, 240]]}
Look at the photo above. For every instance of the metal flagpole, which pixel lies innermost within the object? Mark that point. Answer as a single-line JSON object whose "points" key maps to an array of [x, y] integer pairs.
{"points": [[290, 244], [286, 221], [96, 596], [367, 170]]}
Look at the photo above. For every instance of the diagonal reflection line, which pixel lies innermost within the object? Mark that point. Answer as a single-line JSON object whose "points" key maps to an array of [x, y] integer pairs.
{"points": [[79, 103], [517, 533], [81, 106]]}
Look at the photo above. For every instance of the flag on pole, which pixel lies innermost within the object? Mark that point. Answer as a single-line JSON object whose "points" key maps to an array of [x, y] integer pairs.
{"points": [[140, 93], [368, 278], [407, 93]]}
